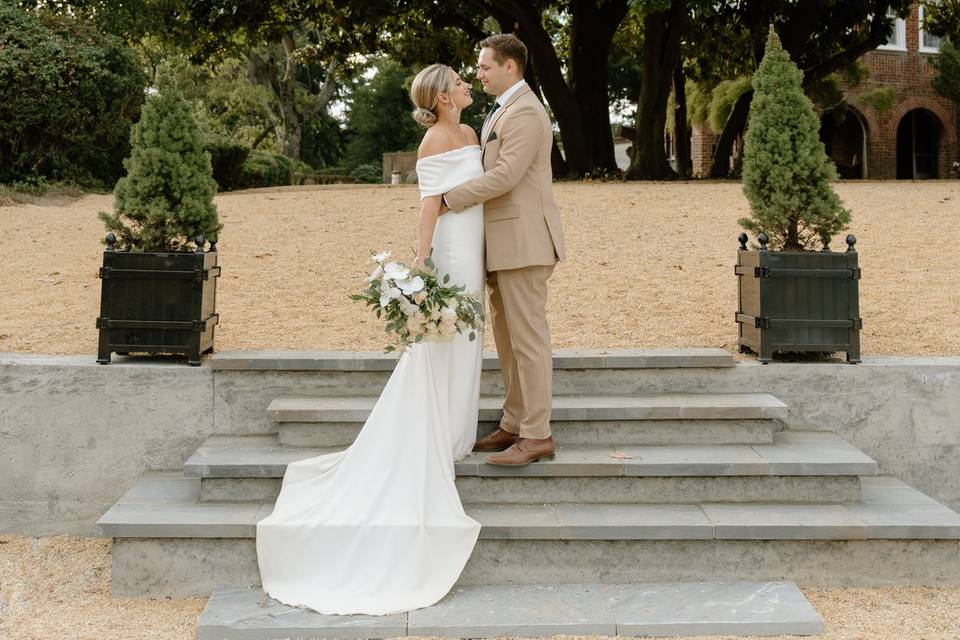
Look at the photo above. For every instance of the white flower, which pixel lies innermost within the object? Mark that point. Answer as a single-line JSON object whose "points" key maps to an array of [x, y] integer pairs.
{"points": [[380, 257], [448, 314], [388, 294], [412, 285], [396, 271], [408, 307], [447, 328], [376, 274], [419, 297]]}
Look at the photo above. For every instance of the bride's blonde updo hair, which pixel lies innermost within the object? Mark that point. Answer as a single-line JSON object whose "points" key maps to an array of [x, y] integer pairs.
{"points": [[425, 90]]}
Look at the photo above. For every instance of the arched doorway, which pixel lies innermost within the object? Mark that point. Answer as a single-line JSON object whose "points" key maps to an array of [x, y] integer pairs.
{"points": [[918, 138], [844, 138]]}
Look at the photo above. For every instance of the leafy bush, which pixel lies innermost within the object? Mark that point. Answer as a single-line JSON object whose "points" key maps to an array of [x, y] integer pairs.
{"points": [[265, 169], [166, 199], [786, 171], [68, 97], [370, 172], [227, 159]]}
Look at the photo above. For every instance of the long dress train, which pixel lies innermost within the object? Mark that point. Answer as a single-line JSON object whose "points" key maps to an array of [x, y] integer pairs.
{"points": [[379, 528]]}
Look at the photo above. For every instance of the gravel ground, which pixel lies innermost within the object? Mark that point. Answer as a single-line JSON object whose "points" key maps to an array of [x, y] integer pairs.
{"points": [[650, 265], [59, 587]]}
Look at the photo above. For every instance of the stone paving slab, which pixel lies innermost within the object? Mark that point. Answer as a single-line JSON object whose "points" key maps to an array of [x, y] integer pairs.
{"points": [[784, 522], [250, 614], [175, 518], [562, 359], [265, 457], [654, 406], [648, 610]]}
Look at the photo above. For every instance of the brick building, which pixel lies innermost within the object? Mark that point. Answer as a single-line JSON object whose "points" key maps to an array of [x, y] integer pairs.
{"points": [[895, 126]]}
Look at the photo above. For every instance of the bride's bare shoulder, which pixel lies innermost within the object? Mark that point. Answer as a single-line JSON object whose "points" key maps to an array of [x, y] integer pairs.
{"points": [[434, 141]]}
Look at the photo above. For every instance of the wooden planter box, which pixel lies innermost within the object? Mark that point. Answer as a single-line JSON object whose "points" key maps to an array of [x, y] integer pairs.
{"points": [[798, 301], [157, 302]]}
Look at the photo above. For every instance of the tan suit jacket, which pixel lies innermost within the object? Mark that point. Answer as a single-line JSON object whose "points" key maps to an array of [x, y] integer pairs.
{"points": [[521, 217]]}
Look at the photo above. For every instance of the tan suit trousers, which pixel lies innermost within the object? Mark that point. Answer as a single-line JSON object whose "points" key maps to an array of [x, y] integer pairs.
{"points": [[518, 306]]}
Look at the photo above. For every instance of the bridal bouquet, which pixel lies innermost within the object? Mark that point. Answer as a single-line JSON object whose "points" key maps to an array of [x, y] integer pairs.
{"points": [[419, 306]]}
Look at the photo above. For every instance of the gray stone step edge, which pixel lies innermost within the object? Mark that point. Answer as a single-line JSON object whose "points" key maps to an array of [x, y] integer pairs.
{"points": [[655, 406], [167, 506], [793, 453], [706, 357], [650, 610]]}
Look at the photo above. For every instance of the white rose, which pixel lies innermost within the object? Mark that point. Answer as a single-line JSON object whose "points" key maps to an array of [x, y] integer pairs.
{"points": [[447, 313], [419, 297]]}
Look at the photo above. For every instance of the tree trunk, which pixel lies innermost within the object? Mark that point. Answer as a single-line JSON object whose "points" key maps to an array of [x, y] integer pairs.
{"points": [[581, 112], [661, 54], [735, 125], [681, 132], [558, 164], [592, 34]]}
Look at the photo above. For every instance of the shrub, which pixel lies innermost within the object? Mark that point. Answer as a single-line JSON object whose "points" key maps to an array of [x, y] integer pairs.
{"points": [[786, 171], [227, 159], [370, 172], [166, 198], [265, 169], [68, 97]]}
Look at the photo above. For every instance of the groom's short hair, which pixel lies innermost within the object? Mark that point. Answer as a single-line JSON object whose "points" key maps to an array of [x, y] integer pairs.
{"points": [[507, 45]]}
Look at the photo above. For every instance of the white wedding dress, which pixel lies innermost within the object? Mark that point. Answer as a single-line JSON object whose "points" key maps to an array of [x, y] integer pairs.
{"points": [[379, 527]]}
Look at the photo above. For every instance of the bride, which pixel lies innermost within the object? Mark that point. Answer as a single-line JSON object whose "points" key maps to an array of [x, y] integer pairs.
{"points": [[379, 528]]}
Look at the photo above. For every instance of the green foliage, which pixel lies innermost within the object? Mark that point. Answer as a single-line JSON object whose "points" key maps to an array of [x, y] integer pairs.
{"points": [[370, 173], [266, 169], [786, 171], [68, 97], [699, 96], [723, 98], [166, 199], [947, 80], [379, 119], [226, 159], [880, 99], [625, 65]]}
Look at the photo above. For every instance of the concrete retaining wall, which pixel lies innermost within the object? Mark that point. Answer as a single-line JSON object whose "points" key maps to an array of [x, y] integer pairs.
{"points": [[75, 435]]}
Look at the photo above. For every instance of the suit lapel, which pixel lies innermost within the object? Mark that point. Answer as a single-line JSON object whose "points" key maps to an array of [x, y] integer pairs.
{"points": [[522, 91]]}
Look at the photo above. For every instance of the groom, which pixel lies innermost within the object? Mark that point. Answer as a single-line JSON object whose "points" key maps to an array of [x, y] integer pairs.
{"points": [[524, 241]]}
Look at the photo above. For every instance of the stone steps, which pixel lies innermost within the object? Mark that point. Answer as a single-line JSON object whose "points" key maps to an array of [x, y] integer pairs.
{"points": [[648, 610], [247, 382], [168, 542], [799, 467], [640, 419], [690, 358]]}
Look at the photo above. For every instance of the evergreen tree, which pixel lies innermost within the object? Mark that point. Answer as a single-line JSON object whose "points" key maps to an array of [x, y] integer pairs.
{"points": [[166, 198], [786, 171]]}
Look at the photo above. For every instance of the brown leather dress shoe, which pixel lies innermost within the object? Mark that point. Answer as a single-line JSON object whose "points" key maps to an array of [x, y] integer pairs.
{"points": [[496, 441], [523, 452]]}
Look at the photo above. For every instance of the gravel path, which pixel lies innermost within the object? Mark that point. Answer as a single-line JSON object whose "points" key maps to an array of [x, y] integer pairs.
{"points": [[59, 587], [650, 265]]}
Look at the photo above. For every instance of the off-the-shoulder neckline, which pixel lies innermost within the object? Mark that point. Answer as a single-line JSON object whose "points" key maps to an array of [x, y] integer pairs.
{"points": [[434, 155]]}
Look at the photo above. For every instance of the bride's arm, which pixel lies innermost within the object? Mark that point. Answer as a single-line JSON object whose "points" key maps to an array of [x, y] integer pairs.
{"points": [[429, 211]]}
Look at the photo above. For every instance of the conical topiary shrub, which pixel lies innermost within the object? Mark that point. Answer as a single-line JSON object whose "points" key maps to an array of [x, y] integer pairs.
{"points": [[786, 171], [166, 199]]}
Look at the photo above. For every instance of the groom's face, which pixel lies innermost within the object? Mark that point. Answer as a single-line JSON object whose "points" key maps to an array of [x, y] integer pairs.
{"points": [[491, 74]]}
